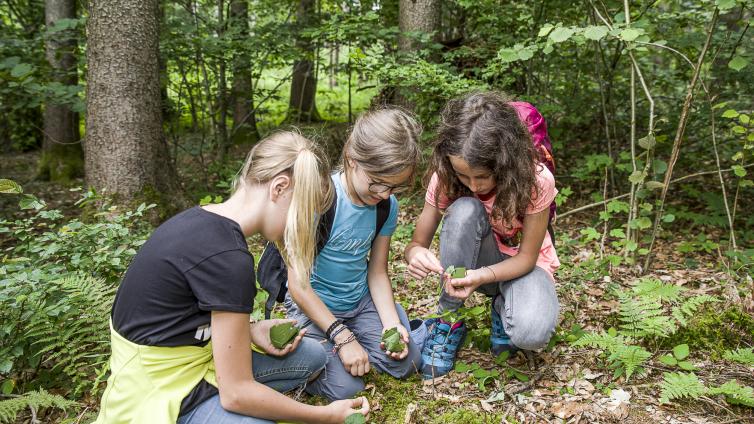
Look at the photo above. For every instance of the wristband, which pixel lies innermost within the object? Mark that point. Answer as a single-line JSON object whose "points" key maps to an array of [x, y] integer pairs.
{"points": [[332, 327], [339, 329]]}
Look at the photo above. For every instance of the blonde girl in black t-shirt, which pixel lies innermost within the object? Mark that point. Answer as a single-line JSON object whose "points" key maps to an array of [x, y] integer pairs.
{"points": [[193, 282]]}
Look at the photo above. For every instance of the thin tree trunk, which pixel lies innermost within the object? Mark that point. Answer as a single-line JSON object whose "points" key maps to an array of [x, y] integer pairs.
{"points": [[222, 88], [62, 156], [126, 151], [244, 119], [302, 106]]}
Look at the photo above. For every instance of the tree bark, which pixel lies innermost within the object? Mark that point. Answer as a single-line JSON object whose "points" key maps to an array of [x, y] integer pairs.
{"points": [[244, 118], [302, 106], [62, 155], [417, 16], [126, 152]]}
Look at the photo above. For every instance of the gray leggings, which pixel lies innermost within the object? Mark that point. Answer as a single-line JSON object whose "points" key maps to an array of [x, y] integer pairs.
{"points": [[530, 303], [336, 382]]}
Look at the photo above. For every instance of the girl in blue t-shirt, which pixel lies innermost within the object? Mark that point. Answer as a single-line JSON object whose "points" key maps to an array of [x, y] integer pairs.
{"points": [[350, 300]]}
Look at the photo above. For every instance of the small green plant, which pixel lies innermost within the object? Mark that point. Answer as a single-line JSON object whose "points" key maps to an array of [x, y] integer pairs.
{"points": [[392, 340], [743, 355], [510, 372], [10, 408], [687, 385], [479, 374], [677, 358], [356, 418]]}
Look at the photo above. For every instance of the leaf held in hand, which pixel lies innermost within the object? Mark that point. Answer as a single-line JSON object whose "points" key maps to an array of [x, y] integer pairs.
{"points": [[392, 340], [456, 272], [282, 334], [356, 418]]}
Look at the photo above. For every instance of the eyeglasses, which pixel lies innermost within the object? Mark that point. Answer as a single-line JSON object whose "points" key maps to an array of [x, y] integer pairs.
{"points": [[379, 188]]}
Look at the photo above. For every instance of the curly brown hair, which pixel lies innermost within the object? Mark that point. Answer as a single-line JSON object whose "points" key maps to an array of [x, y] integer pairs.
{"points": [[484, 130]]}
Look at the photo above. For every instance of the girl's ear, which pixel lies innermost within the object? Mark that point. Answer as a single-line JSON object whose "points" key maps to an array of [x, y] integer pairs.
{"points": [[278, 186]]}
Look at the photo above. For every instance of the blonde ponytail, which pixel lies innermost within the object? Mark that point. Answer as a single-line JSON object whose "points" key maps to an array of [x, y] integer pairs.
{"points": [[301, 159]]}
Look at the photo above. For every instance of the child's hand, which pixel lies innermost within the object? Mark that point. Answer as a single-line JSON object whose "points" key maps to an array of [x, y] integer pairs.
{"points": [[260, 336], [461, 288], [404, 338], [342, 409], [422, 262], [355, 359]]}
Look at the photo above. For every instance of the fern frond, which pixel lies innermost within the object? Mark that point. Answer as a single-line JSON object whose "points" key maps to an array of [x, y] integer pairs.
{"points": [[681, 385], [689, 307], [652, 288], [10, 408], [744, 356], [631, 357], [735, 394], [643, 316], [601, 340]]}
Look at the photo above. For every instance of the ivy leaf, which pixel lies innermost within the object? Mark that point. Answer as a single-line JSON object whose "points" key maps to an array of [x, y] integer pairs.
{"points": [[681, 351], [21, 70], [10, 187], [630, 34], [738, 63], [739, 170], [595, 32], [730, 113], [561, 34]]}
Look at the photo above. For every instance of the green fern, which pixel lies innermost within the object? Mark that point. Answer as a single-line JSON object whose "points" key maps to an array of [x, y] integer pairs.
{"points": [[630, 358], [689, 307], [652, 288], [74, 338], [10, 408], [681, 385], [744, 356], [735, 394], [643, 316], [602, 340]]}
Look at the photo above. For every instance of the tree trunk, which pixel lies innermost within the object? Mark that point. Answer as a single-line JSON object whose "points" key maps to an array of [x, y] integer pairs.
{"points": [[417, 16], [126, 151], [244, 118], [62, 155], [222, 90], [302, 105]]}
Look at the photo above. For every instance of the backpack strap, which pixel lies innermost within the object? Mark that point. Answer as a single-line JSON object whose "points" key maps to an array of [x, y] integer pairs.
{"points": [[383, 210]]}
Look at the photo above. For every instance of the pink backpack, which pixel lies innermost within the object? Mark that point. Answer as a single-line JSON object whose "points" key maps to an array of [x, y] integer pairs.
{"points": [[537, 127]]}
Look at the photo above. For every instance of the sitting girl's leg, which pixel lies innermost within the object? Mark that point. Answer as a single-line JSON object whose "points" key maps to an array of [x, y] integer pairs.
{"points": [[280, 373]]}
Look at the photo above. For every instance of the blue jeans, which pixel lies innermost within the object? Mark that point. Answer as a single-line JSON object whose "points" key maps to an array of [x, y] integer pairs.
{"points": [[280, 373], [528, 305], [364, 321]]}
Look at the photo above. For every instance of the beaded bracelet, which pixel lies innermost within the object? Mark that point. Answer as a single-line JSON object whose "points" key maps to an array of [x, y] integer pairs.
{"points": [[339, 329], [336, 347], [332, 327]]}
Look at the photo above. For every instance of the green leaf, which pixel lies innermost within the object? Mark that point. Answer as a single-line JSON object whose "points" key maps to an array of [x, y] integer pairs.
{"points": [[392, 340], [30, 202], [630, 34], [730, 113], [8, 386], [654, 185], [21, 70], [545, 30], [595, 32], [10, 187], [739, 129], [681, 351], [725, 5], [525, 54], [561, 34], [668, 218], [739, 170], [686, 366], [637, 176], [355, 418], [737, 63], [743, 118], [647, 142], [641, 223], [282, 334], [520, 376], [507, 55], [462, 367], [668, 360]]}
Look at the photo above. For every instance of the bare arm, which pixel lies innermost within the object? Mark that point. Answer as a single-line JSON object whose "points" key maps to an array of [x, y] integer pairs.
{"points": [[421, 261], [382, 291], [240, 393]]}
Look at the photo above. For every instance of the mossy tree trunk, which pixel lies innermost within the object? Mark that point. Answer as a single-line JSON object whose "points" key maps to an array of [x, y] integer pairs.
{"points": [[62, 155], [126, 152], [302, 106]]}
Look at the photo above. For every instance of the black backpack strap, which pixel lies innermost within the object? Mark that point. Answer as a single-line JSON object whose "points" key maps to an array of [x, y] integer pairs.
{"points": [[325, 224], [383, 210]]}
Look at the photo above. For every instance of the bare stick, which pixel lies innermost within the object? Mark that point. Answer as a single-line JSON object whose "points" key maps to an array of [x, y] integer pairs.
{"points": [[679, 136]]}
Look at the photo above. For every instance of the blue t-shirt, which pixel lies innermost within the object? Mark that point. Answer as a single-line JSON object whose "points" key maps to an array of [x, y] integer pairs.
{"points": [[339, 275]]}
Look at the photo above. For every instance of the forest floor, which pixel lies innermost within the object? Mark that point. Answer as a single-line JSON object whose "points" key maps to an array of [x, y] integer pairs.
{"points": [[561, 383]]}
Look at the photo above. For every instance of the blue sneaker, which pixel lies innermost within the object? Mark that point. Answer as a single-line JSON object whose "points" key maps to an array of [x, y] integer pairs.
{"points": [[499, 340], [440, 348]]}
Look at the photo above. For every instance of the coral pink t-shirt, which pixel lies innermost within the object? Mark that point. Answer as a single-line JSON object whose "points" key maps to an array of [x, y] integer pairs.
{"points": [[548, 258]]}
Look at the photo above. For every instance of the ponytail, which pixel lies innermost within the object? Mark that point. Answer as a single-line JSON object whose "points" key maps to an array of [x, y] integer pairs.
{"points": [[292, 154]]}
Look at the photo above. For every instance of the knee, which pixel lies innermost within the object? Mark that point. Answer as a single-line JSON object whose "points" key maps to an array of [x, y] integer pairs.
{"points": [[532, 337], [315, 355], [345, 387], [465, 209]]}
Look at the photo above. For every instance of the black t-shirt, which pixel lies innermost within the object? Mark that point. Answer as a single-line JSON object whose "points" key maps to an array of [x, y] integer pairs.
{"points": [[194, 263]]}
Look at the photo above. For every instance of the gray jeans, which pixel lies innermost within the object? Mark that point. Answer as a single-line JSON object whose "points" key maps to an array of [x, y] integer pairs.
{"points": [[528, 305], [336, 382]]}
